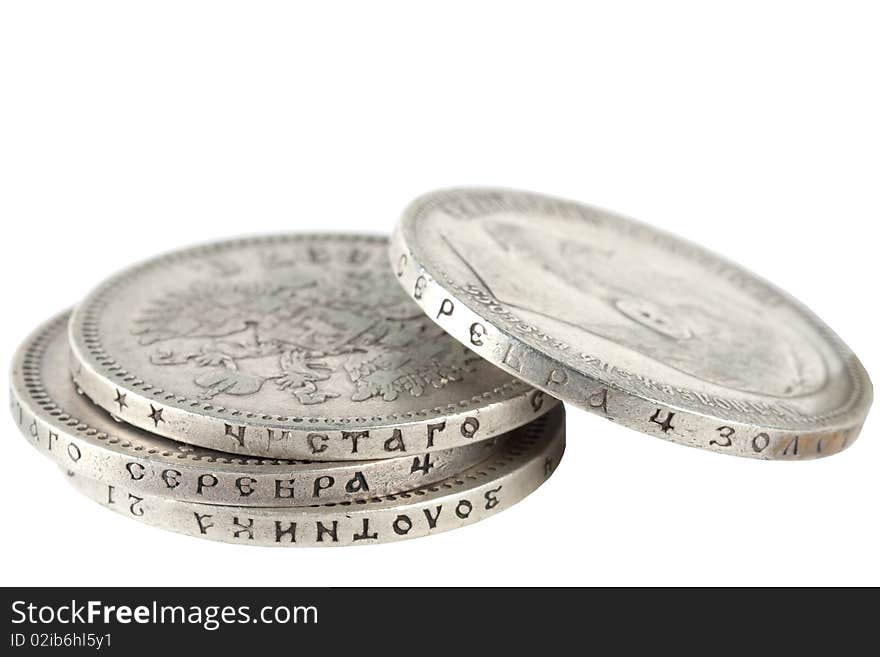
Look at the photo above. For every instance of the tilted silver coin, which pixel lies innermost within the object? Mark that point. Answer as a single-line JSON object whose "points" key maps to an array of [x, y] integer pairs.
{"points": [[84, 439], [632, 323], [527, 459], [289, 346]]}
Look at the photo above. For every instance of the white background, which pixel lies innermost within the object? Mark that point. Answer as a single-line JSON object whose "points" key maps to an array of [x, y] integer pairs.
{"points": [[128, 129]]}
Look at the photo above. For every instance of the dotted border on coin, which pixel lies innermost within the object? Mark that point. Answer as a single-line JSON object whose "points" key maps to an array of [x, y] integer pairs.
{"points": [[97, 300], [30, 367]]}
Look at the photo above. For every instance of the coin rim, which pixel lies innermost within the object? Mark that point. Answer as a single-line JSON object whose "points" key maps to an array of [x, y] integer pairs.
{"points": [[96, 372], [37, 414], [523, 465], [831, 432]]}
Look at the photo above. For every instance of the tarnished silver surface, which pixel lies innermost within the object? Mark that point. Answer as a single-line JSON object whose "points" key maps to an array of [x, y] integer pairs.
{"points": [[632, 323], [290, 346], [84, 439], [526, 460]]}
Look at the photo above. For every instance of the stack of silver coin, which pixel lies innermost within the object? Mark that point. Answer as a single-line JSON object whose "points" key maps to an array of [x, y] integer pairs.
{"points": [[323, 390]]}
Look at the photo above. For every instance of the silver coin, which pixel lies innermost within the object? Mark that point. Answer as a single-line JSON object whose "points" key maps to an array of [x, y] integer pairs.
{"points": [[632, 323], [292, 346], [84, 439], [525, 462]]}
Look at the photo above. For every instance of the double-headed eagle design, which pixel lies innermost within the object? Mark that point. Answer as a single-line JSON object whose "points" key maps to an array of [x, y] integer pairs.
{"points": [[316, 337]]}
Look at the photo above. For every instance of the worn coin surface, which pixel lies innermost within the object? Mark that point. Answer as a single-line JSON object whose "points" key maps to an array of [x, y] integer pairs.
{"points": [[525, 461], [632, 323], [290, 346], [84, 439]]}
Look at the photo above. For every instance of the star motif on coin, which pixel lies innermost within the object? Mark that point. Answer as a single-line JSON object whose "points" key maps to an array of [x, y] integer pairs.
{"points": [[120, 399], [156, 415], [281, 327]]}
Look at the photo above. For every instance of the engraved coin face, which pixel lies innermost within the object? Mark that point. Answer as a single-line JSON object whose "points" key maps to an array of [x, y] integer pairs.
{"points": [[81, 437], [297, 346], [527, 458], [632, 323]]}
